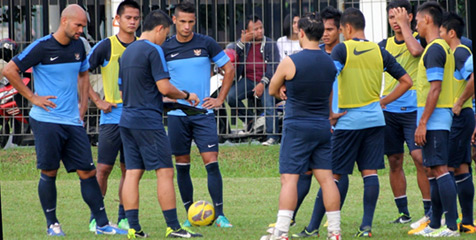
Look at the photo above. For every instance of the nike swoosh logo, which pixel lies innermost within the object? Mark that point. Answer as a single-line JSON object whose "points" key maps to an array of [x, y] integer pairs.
{"points": [[218, 204], [188, 235], [101, 208], [50, 210], [361, 52], [400, 54], [53, 58], [210, 146], [174, 54]]}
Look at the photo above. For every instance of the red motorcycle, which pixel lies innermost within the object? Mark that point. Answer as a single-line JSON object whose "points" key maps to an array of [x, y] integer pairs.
{"points": [[14, 108], [14, 111]]}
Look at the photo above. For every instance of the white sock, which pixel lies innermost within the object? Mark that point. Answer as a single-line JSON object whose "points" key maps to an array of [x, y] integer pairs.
{"points": [[283, 222], [333, 219]]}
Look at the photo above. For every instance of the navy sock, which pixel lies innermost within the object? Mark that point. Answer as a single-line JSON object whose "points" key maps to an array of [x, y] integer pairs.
{"points": [[427, 207], [447, 188], [171, 218], [317, 213], [303, 186], [184, 182], [436, 207], [402, 205], [47, 194], [92, 196], [465, 189], [215, 187], [121, 214], [133, 219], [343, 186], [371, 192]]}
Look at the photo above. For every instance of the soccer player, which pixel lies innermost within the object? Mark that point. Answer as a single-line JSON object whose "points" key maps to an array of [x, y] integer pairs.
{"points": [[459, 161], [400, 115], [359, 134], [189, 56], [144, 80], [331, 19], [60, 68], [106, 55], [434, 117], [306, 141]]}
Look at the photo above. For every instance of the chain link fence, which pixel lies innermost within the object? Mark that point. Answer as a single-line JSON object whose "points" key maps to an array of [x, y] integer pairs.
{"points": [[27, 20]]}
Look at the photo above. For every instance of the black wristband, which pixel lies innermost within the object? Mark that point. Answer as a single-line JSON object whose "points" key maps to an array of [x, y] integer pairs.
{"points": [[188, 94]]}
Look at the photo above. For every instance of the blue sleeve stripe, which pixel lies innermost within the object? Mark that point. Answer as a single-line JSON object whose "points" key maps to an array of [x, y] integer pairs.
{"points": [[435, 74], [221, 59], [31, 46], [469, 64], [465, 74], [339, 66], [84, 66], [161, 54]]}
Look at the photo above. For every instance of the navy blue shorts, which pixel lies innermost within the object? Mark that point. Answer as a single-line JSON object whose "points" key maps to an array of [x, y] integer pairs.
{"points": [[200, 128], [60, 142], [436, 149], [146, 149], [110, 144], [399, 128], [304, 146], [460, 138], [364, 146]]}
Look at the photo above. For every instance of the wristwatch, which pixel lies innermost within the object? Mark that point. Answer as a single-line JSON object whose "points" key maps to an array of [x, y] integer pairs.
{"points": [[188, 94]]}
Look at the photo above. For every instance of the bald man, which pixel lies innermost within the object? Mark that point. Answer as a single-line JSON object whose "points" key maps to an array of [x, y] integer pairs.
{"points": [[60, 68]]}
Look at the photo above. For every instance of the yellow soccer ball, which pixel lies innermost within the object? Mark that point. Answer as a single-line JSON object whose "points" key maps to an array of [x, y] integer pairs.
{"points": [[201, 213]]}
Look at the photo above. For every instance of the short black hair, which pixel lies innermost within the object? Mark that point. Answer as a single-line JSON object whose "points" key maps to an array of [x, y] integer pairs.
{"points": [[354, 17], [156, 18], [434, 10], [288, 25], [127, 3], [312, 26], [251, 18], [331, 12], [400, 4], [185, 7], [451, 21]]}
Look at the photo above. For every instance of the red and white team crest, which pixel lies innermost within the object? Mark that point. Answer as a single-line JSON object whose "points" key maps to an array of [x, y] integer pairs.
{"points": [[197, 52], [77, 56]]}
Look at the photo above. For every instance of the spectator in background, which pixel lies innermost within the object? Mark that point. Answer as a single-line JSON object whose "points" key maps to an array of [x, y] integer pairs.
{"points": [[260, 56], [289, 43]]}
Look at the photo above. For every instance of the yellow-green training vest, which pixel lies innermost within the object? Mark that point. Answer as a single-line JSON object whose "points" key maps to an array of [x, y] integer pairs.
{"points": [[110, 72], [446, 98], [405, 59], [360, 80]]}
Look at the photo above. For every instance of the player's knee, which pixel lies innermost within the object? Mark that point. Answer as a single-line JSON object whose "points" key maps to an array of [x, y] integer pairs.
{"points": [[86, 174], [103, 170], [50, 173]]}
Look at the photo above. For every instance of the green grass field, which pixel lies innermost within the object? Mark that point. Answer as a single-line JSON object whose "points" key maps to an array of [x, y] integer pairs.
{"points": [[251, 189]]}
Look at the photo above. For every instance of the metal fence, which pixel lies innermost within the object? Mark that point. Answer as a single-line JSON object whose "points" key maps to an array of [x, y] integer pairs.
{"points": [[27, 20]]}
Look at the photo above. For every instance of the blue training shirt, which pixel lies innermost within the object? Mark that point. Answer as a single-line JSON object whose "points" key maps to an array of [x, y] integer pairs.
{"points": [[434, 61], [461, 55], [190, 65], [309, 90], [55, 72], [370, 115], [142, 65], [335, 97]]}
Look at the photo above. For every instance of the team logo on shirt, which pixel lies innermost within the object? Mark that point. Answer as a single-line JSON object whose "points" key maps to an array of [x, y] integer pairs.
{"points": [[197, 52], [77, 56]]}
